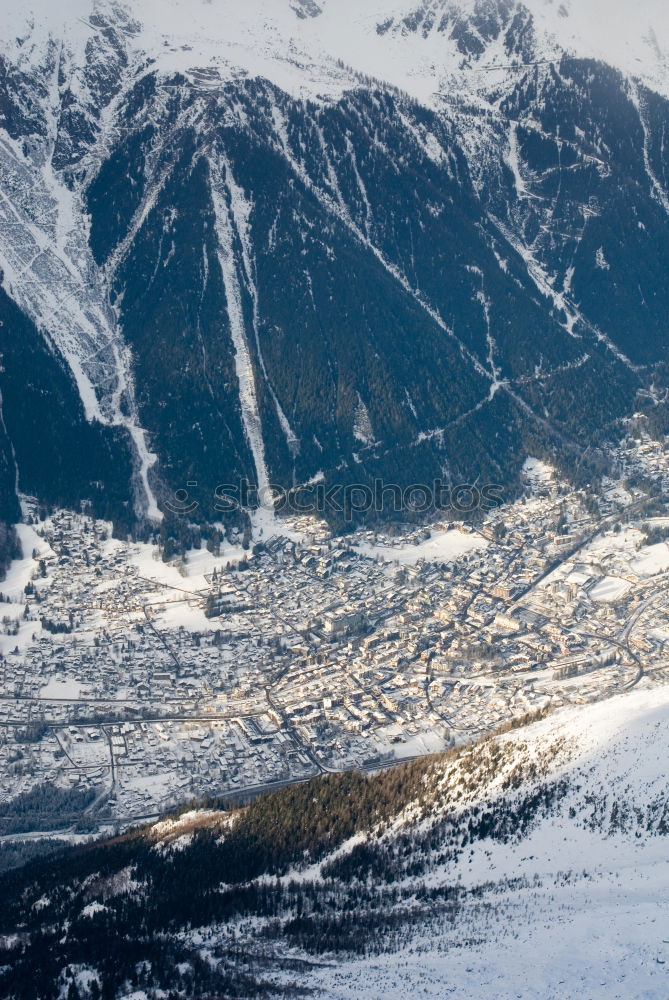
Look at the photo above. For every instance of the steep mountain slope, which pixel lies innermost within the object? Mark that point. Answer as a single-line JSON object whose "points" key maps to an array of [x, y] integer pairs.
{"points": [[61, 455], [256, 261], [451, 874]]}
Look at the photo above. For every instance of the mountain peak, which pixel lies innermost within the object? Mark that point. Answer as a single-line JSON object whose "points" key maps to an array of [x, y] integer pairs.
{"points": [[422, 47]]}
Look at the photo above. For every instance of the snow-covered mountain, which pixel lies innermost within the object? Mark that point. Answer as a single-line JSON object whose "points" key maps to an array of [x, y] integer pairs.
{"points": [[417, 45], [532, 864], [228, 229]]}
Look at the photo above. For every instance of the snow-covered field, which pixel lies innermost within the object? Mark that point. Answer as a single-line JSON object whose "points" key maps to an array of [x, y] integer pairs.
{"points": [[443, 546], [652, 559], [68, 690], [610, 589], [189, 577], [536, 472]]}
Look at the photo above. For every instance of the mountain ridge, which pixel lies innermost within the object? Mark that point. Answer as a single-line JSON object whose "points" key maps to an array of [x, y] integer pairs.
{"points": [[438, 37]]}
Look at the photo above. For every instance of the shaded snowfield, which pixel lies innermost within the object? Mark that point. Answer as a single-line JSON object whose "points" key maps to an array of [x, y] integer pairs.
{"points": [[599, 941]]}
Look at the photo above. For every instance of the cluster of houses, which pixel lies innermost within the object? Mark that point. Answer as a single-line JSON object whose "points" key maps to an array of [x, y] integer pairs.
{"points": [[319, 653]]}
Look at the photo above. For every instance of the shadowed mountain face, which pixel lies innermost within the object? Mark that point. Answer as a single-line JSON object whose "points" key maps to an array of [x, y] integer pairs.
{"points": [[236, 282]]}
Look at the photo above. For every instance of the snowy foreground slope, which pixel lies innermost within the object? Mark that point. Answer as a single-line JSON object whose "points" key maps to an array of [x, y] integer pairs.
{"points": [[533, 864], [577, 906]]}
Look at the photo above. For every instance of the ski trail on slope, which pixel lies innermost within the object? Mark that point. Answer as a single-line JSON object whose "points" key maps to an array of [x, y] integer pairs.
{"points": [[240, 208], [248, 394], [658, 191], [512, 160], [50, 273], [485, 303]]}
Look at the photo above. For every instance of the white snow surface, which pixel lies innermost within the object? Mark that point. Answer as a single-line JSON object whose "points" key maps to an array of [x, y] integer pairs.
{"points": [[442, 546], [652, 559], [610, 589], [589, 918], [61, 689], [536, 472], [269, 38]]}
